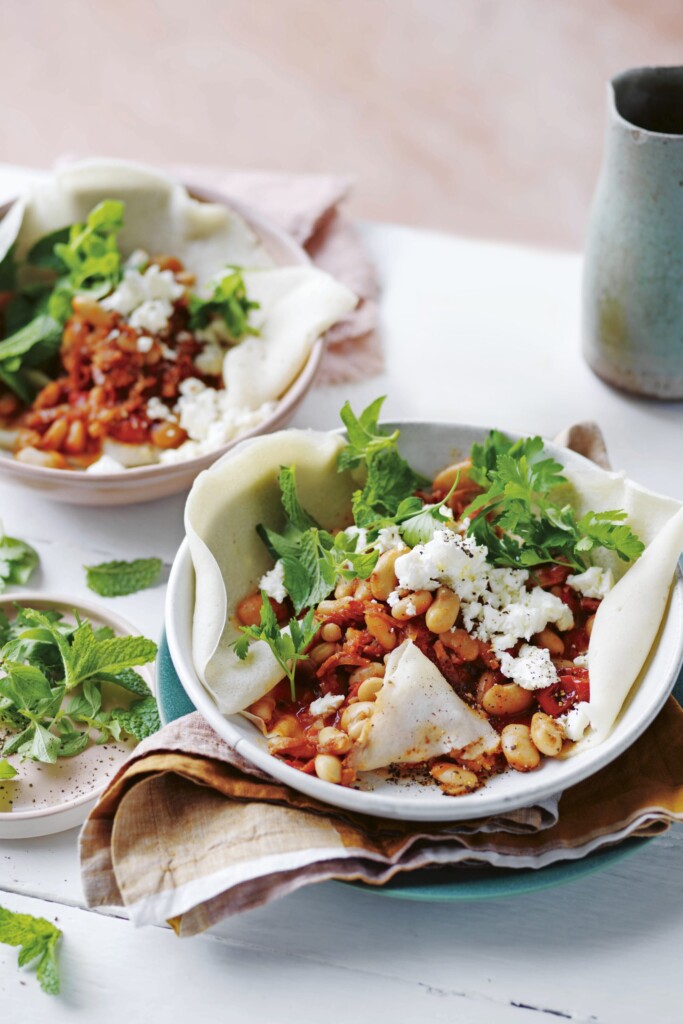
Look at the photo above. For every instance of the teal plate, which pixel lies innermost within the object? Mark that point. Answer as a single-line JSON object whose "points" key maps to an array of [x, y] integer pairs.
{"points": [[444, 885]]}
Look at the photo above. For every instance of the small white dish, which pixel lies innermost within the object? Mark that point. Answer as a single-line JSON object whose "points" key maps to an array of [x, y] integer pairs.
{"points": [[45, 799], [429, 447], [148, 483]]}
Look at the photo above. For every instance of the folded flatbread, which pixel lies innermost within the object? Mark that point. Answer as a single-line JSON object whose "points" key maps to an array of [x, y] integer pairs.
{"points": [[417, 715], [229, 500]]}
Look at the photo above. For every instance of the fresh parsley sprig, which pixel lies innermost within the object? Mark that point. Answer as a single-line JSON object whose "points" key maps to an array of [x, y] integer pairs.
{"points": [[518, 520], [289, 644], [312, 558], [37, 939]]}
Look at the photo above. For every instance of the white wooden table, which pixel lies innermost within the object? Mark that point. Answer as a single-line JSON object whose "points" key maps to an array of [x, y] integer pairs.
{"points": [[475, 333]]}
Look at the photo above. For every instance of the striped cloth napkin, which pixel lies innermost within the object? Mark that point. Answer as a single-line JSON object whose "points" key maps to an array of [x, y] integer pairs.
{"points": [[189, 832]]}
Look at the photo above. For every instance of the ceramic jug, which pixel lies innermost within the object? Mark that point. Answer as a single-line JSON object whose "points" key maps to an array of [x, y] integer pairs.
{"points": [[633, 274]]}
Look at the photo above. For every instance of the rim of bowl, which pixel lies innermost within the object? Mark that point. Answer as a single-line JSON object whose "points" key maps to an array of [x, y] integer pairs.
{"points": [[273, 238], [92, 610], [582, 767]]}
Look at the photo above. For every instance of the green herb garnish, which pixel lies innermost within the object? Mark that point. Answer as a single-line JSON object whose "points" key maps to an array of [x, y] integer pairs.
{"points": [[288, 645], [90, 258], [18, 560], [521, 524], [389, 479], [44, 660], [312, 559], [38, 940], [229, 302], [7, 771], [115, 579]]}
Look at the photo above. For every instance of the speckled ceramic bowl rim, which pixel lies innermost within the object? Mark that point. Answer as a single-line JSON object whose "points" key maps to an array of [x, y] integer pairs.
{"points": [[94, 612], [268, 232], [181, 591]]}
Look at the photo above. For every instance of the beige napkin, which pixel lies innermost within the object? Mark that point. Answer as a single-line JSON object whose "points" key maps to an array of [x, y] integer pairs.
{"points": [[307, 207], [189, 832]]}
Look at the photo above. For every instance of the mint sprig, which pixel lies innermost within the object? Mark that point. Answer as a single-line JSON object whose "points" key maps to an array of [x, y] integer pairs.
{"points": [[312, 558], [289, 645], [37, 939], [51, 685], [228, 303], [18, 561]]}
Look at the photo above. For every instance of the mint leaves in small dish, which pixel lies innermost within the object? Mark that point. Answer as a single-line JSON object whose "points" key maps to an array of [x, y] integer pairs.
{"points": [[66, 684]]}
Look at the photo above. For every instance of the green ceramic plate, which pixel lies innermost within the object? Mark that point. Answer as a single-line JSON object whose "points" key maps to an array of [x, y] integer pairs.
{"points": [[435, 884]]}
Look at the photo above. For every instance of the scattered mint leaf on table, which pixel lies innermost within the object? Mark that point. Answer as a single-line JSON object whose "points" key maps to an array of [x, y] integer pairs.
{"points": [[115, 579], [38, 940]]}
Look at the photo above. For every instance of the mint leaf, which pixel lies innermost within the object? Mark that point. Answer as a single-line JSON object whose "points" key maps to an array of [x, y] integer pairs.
{"points": [[89, 656], [228, 303], [297, 516], [18, 560], [42, 254], [91, 256], [38, 939], [44, 745], [31, 346], [288, 645], [114, 579], [128, 679], [141, 719], [7, 771]]}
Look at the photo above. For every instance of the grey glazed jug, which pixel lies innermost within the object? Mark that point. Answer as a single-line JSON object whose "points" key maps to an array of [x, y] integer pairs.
{"points": [[633, 275]]}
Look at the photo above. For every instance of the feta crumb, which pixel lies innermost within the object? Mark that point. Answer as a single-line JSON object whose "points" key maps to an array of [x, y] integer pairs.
{"points": [[575, 722], [594, 582], [105, 464], [325, 705], [158, 410], [581, 661], [532, 669], [394, 598], [144, 343], [215, 333], [137, 260], [273, 582], [361, 536], [411, 609], [389, 539], [210, 360], [168, 352]]}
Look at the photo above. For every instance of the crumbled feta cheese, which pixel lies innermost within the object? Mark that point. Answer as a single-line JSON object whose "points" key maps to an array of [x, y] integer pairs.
{"points": [[273, 582], [575, 722], [496, 606], [158, 410], [581, 661], [210, 360], [105, 464], [137, 260], [326, 705], [144, 343], [210, 420], [532, 669], [410, 608], [168, 352], [594, 582], [389, 539], [145, 298], [394, 598]]}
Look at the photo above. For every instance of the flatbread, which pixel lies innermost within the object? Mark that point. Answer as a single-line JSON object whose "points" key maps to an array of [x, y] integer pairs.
{"points": [[417, 715]]}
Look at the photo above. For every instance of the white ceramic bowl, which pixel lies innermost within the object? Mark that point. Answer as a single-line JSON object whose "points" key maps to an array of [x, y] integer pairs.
{"points": [[147, 483], [429, 447], [49, 798]]}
